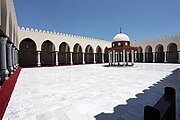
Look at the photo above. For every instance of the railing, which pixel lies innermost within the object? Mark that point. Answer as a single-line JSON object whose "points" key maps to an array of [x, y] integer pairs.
{"points": [[164, 109]]}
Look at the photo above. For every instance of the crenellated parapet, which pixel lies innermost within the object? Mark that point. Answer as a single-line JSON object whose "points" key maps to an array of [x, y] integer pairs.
{"points": [[56, 33]]}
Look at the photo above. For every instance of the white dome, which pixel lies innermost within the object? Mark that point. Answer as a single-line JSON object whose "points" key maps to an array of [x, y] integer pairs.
{"points": [[121, 37]]}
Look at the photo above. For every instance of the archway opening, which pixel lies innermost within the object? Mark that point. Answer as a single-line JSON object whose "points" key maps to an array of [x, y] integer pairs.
{"points": [[48, 53], [27, 53], [64, 53], [106, 57], [140, 54], [159, 53], [89, 54], [77, 54], [172, 53], [98, 54], [148, 54]]}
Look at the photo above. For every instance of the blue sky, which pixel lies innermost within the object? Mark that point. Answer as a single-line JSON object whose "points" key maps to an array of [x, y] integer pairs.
{"points": [[140, 19]]}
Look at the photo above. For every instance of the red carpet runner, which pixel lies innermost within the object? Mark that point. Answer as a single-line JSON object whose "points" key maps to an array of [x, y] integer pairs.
{"points": [[6, 91]]}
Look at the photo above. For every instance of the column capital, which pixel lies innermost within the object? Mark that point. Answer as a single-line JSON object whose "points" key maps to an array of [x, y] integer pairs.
{"points": [[3, 40]]}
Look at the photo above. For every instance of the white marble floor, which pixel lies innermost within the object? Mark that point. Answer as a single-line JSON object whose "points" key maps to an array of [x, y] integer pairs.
{"points": [[90, 92]]}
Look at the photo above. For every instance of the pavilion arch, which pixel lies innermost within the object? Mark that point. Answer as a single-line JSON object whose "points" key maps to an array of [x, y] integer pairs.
{"points": [[106, 55], [98, 54], [27, 52], [64, 53], [172, 53], [47, 53], [159, 53], [148, 54], [4, 16], [140, 54], [77, 54], [89, 54]]}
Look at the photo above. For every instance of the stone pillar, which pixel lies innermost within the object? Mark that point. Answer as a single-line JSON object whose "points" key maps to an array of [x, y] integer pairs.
{"points": [[124, 57], [9, 58], [3, 66], [83, 58], [39, 58], [94, 58], [118, 59], [71, 58], [135, 57], [154, 57], [132, 57], [114, 57], [57, 56], [15, 53], [14, 57], [102, 57], [165, 57], [17, 57]]}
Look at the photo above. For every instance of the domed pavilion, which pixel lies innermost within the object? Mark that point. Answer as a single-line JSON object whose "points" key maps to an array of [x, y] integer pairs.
{"points": [[121, 53]]}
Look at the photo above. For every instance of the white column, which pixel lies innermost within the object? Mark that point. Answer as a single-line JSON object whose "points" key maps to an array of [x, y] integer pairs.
{"points": [[57, 58], [135, 56], [118, 59], [165, 57], [39, 58], [9, 57], [3, 58], [71, 58], [144, 57], [102, 57], [94, 58], [83, 58], [154, 57], [114, 57], [17, 57], [124, 57], [132, 57]]}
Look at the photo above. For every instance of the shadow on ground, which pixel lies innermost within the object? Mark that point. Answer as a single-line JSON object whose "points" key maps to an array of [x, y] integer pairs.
{"points": [[134, 109]]}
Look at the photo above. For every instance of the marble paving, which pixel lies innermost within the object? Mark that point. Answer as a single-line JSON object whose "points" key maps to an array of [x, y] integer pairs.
{"points": [[90, 92]]}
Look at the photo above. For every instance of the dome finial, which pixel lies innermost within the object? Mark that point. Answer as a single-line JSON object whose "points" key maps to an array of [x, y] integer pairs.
{"points": [[120, 30]]}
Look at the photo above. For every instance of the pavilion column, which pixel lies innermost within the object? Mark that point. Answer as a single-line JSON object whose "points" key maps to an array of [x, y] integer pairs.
{"points": [[71, 58], [165, 57], [39, 58], [127, 57], [114, 57], [94, 58], [109, 55], [102, 57], [124, 57], [144, 57], [118, 55], [83, 58], [57, 56], [9, 58], [132, 57], [3, 58], [178, 56]]}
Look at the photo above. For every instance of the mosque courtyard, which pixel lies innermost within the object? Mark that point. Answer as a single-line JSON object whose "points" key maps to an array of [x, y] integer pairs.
{"points": [[91, 92]]}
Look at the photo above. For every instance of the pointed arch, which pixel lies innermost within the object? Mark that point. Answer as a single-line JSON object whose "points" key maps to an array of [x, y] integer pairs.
{"points": [[77, 54], [172, 53], [89, 54], [140, 54], [159, 53], [47, 53], [27, 52], [98, 54], [148, 54], [64, 53]]}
